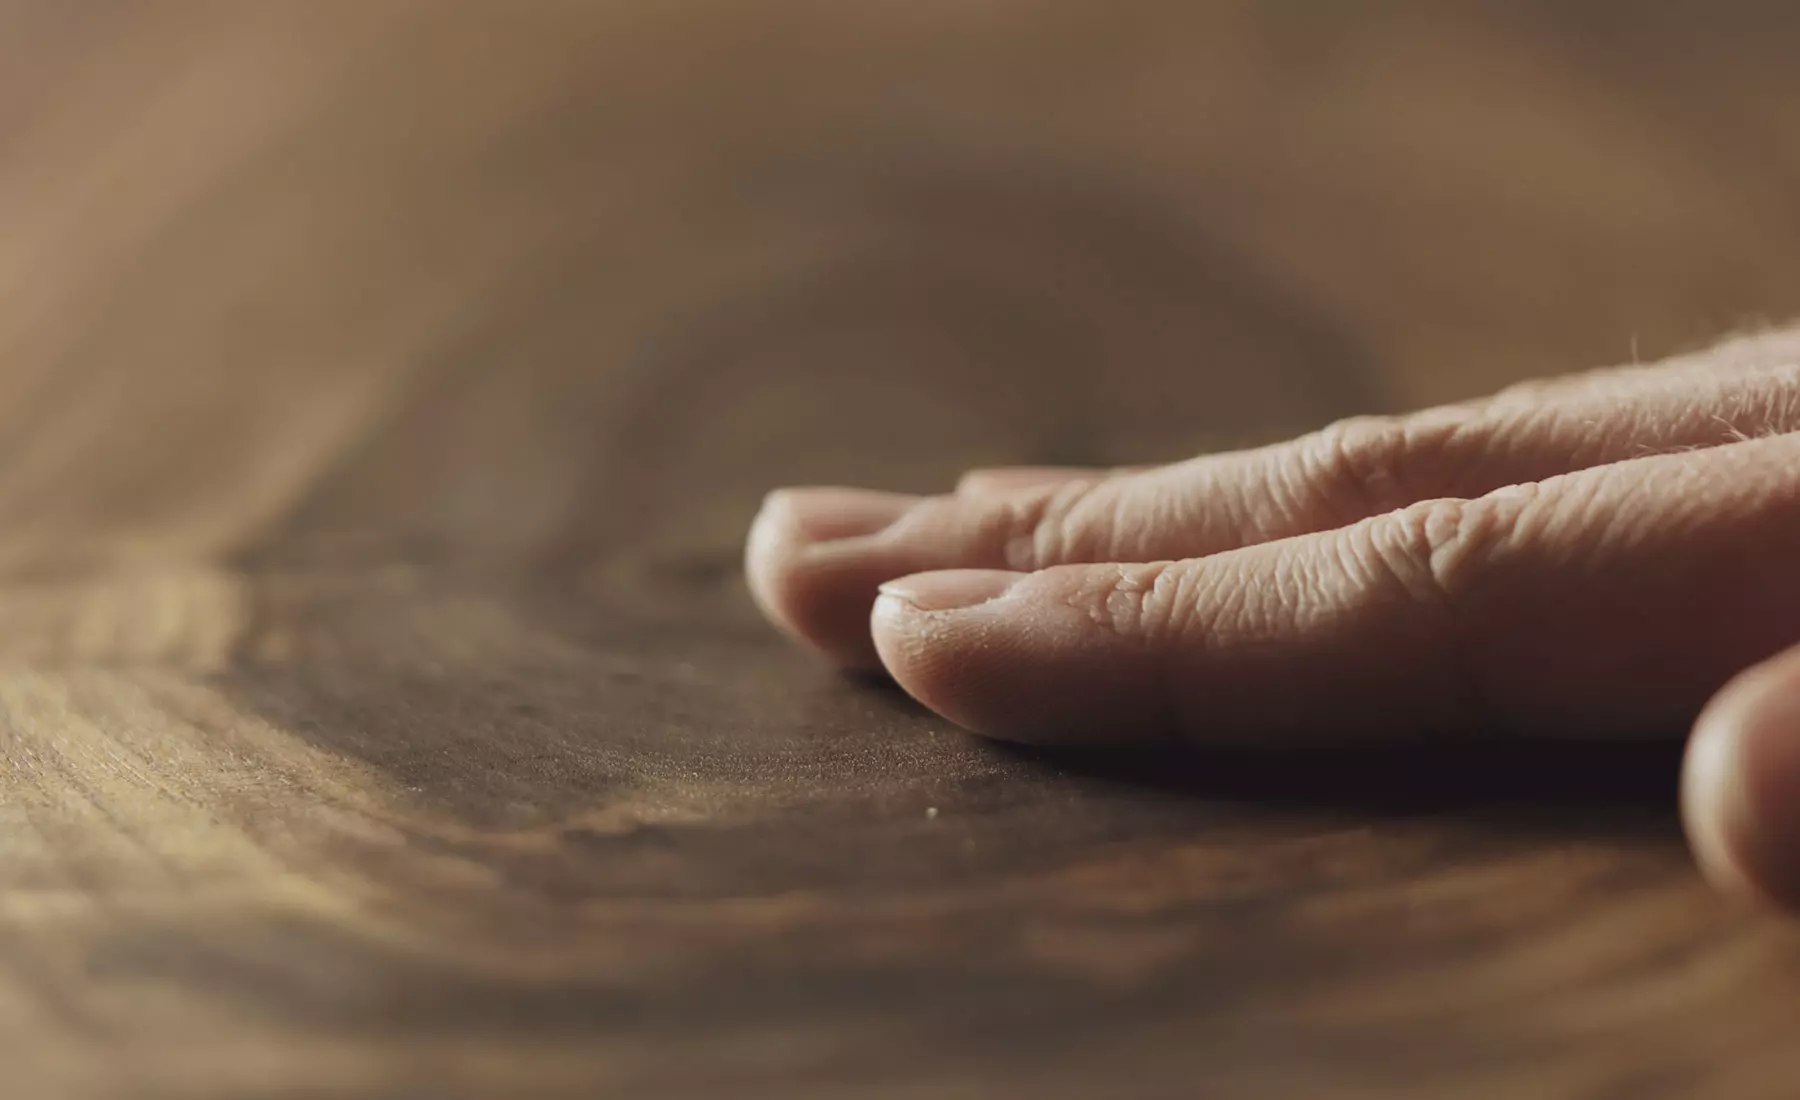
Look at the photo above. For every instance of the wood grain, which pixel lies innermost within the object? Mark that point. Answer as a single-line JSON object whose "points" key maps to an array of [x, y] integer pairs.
{"points": [[385, 387]]}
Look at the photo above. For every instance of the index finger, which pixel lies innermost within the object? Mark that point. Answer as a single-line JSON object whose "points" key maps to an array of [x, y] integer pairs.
{"points": [[1609, 602]]}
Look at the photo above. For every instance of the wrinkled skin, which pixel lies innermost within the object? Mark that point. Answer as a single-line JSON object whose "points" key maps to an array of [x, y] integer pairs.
{"points": [[1607, 555]]}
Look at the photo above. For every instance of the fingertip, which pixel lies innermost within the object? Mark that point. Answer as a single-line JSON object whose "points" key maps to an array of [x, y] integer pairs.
{"points": [[767, 548], [1740, 786], [798, 575], [921, 626], [961, 642], [820, 514], [1712, 804], [1016, 657]]}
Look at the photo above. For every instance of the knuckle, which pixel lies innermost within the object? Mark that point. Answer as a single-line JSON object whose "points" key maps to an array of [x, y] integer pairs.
{"points": [[1050, 526], [1143, 603], [1436, 553], [1438, 549], [1371, 461], [1363, 452]]}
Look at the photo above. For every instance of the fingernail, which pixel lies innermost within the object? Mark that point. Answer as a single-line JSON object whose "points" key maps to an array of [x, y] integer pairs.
{"points": [[829, 514], [951, 589]]}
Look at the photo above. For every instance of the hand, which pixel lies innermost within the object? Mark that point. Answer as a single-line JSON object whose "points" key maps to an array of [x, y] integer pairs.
{"points": [[1596, 556]]}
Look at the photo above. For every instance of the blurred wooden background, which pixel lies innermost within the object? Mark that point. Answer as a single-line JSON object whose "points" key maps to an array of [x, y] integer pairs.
{"points": [[385, 387]]}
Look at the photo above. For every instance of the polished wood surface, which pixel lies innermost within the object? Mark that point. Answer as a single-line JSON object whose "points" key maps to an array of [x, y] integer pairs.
{"points": [[384, 390]]}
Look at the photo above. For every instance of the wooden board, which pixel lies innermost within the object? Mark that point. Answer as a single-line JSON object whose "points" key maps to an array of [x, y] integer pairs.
{"points": [[384, 390]]}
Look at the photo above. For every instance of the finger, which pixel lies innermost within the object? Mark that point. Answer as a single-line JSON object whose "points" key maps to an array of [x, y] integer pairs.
{"points": [[1740, 791], [1008, 479], [801, 589], [1613, 601], [823, 588]]}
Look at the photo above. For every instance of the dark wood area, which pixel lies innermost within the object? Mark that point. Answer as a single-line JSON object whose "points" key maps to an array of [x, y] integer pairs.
{"points": [[384, 391]]}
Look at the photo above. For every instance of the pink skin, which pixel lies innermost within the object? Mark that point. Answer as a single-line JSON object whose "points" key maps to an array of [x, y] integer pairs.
{"points": [[1594, 556]]}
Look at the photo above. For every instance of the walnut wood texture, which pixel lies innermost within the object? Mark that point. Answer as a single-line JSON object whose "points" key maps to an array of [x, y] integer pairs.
{"points": [[384, 389]]}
